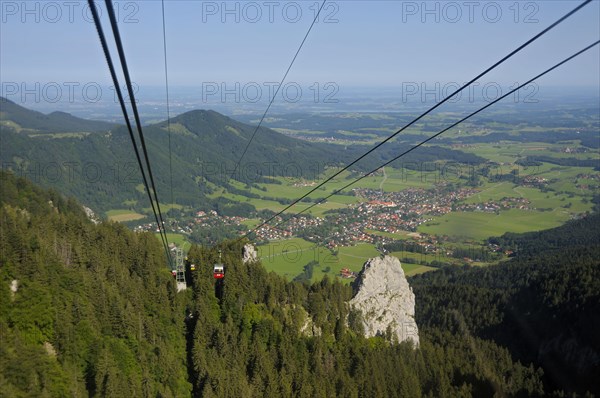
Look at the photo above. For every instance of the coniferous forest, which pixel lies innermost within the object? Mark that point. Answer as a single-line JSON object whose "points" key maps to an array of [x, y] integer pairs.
{"points": [[91, 310]]}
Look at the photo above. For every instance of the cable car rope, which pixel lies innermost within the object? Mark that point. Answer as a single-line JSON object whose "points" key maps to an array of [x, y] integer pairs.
{"points": [[168, 105], [157, 216], [113, 21], [277, 91]]}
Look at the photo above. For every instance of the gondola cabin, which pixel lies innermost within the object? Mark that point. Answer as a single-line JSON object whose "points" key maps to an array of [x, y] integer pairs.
{"points": [[192, 266], [219, 271]]}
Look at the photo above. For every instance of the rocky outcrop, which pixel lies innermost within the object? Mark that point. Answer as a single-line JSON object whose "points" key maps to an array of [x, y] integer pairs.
{"points": [[309, 328], [249, 254], [385, 300], [14, 287], [91, 215]]}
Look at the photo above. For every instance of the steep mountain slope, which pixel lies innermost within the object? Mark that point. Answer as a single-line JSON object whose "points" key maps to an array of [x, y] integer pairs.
{"points": [[256, 334], [217, 142], [85, 309], [101, 171], [18, 118], [543, 305], [226, 139], [90, 310]]}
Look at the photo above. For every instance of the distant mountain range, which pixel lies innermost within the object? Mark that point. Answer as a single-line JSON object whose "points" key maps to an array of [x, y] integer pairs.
{"points": [[21, 119], [94, 161]]}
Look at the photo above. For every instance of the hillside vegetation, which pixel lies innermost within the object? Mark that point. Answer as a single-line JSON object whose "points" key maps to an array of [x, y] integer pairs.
{"points": [[95, 161], [13, 116], [543, 305], [95, 312]]}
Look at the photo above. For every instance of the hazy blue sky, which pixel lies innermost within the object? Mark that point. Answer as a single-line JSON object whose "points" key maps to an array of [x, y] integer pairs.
{"points": [[355, 43]]}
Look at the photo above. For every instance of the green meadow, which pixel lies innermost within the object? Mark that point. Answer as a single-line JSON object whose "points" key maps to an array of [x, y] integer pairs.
{"points": [[179, 239], [288, 258], [479, 226], [123, 215]]}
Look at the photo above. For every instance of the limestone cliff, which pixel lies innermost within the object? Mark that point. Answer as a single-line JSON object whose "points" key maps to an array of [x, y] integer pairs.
{"points": [[385, 300], [249, 254]]}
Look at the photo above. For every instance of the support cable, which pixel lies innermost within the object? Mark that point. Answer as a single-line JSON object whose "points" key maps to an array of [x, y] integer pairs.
{"points": [[277, 91]]}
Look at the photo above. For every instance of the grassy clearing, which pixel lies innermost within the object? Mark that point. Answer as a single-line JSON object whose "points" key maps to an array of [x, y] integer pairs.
{"points": [[419, 258], [415, 269], [9, 123], [179, 239], [288, 258], [60, 135], [178, 128], [164, 208], [354, 257], [123, 215], [539, 200], [479, 226], [401, 235], [251, 223]]}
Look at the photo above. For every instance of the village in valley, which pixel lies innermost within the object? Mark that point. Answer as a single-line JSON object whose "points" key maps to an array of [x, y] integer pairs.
{"points": [[377, 218]]}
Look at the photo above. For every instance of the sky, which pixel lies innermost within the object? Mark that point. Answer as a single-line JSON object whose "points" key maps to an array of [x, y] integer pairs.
{"points": [[52, 46]]}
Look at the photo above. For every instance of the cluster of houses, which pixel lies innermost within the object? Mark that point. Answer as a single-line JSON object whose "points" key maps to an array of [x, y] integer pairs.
{"points": [[347, 274], [201, 219], [390, 212], [534, 181], [288, 229]]}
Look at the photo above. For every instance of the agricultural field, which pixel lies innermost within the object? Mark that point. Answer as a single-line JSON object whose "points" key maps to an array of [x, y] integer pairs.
{"points": [[479, 226], [179, 239], [547, 209], [124, 215], [539, 200], [164, 208], [288, 258], [415, 269]]}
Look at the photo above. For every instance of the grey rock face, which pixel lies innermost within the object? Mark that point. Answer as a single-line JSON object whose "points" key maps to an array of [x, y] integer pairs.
{"points": [[385, 300], [249, 254]]}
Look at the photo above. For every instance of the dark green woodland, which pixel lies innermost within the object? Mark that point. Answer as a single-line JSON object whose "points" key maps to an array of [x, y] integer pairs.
{"points": [[94, 312]]}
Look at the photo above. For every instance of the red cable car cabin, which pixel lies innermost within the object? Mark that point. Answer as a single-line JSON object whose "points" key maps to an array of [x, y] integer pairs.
{"points": [[219, 271]]}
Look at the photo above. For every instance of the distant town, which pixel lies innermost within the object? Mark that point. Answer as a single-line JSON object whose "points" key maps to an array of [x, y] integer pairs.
{"points": [[375, 219]]}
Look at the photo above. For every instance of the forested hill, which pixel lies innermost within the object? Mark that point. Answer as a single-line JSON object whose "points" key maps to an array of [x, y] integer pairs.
{"points": [[85, 310], [543, 305], [260, 335], [222, 141], [90, 310], [573, 234], [16, 117], [95, 161]]}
